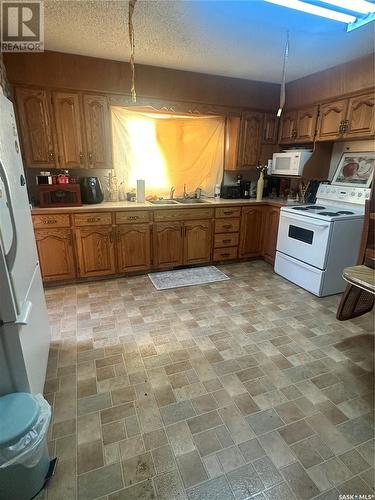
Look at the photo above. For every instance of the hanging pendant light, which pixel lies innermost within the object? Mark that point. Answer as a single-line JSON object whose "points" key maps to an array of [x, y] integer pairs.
{"points": [[282, 89], [132, 49]]}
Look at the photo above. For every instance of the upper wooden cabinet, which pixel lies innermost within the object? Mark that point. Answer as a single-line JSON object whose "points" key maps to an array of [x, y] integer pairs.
{"points": [[69, 130], [98, 131], [251, 232], [270, 128], [251, 133], [361, 116], [72, 132], [298, 126], [36, 128], [331, 117]]}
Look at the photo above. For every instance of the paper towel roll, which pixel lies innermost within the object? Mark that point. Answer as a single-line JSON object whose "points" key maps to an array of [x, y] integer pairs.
{"points": [[141, 191]]}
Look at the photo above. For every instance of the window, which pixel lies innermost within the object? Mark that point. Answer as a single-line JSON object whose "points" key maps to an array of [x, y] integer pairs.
{"points": [[167, 150]]}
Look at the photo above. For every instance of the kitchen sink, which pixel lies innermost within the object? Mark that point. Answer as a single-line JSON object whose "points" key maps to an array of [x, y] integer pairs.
{"points": [[190, 200], [163, 202]]}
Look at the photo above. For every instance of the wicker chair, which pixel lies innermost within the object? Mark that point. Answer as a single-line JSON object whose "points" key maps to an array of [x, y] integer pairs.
{"points": [[356, 301]]}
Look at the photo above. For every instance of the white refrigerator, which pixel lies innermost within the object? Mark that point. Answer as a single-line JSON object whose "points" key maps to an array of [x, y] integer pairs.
{"points": [[24, 329]]}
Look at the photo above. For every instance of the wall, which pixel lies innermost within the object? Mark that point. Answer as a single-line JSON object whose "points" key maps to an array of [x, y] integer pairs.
{"points": [[3, 77], [55, 69], [345, 78], [344, 147]]}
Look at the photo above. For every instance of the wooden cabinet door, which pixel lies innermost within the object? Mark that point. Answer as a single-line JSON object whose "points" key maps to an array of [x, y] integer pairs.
{"points": [[55, 249], [331, 116], [168, 244], [270, 128], [69, 130], [287, 128], [98, 132], [251, 136], [306, 124], [133, 247], [36, 130], [197, 241], [270, 229], [95, 251], [361, 116], [251, 232]]}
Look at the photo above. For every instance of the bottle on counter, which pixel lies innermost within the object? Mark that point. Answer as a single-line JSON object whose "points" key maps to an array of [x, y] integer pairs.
{"points": [[121, 191], [217, 191]]}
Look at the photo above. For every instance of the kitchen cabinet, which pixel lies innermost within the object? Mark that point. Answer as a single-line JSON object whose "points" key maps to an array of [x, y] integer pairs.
{"points": [[55, 250], [98, 131], [69, 130], [36, 128], [331, 118], [298, 126], [197, 241], [133, 247], [250, 139], [251, 232], [270, 229], [95, 251], [287, 127], [270, 128], [360, 117], [168, 244]]}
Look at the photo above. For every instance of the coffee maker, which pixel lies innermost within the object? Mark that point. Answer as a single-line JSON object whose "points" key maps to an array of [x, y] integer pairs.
{"points": [[245, 187]]}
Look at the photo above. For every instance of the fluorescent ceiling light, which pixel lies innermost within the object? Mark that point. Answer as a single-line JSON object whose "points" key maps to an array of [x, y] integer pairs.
{"points": [[360, 6], [314, 9]]}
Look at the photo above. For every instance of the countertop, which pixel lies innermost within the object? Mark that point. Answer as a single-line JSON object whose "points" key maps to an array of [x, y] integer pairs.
{"points": [[129, 205]]}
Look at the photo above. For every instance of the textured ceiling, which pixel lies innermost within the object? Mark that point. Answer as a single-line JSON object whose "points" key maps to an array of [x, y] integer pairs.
{"points": [[242, 39]]}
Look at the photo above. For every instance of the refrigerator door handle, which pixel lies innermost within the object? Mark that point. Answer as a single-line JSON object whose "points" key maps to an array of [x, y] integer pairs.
{"points": [[11, 255], [24, 316]]}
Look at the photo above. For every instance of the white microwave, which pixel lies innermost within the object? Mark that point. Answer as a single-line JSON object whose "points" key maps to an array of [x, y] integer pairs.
{"points": [[290, 162]]}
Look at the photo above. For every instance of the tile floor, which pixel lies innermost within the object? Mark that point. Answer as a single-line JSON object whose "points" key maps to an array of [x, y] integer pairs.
{"points": [[248, 388]]}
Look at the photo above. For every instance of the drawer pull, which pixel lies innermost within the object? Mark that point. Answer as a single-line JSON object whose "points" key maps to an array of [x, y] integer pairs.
{"points": [[229, 212], [227, 241], [225, 254], [227, 226], [133, 217], [93, 219], [49, 221]]}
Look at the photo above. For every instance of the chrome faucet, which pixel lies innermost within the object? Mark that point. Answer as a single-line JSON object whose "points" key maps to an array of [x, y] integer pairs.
{"points": [[171, 193], [185, 195]]}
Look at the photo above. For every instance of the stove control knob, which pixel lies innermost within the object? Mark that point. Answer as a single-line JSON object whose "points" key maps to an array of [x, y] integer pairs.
{"points": [[352, 193], [359, 195], [367, 195]]}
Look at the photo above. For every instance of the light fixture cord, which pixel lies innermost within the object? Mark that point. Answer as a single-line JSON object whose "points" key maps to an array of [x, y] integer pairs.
{"points": [[282, 89], [132, 49]]}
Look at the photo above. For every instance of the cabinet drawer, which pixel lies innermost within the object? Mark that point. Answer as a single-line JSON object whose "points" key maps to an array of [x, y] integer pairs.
{"points": [[183, 214], [134, 216], [226, 240], [227, 225], [228, 212], [225, 253], [51, 220], [93, 219]]}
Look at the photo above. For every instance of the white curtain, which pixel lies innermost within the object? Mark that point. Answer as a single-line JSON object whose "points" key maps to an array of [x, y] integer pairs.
{"points": [[167, 150]]}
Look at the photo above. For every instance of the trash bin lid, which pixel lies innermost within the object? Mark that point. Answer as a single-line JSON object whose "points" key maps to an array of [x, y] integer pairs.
{"points": [[18, 413]]}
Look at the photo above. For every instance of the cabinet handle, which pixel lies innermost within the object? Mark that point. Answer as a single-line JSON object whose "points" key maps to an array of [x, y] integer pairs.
{"points": [[93, 219], [227, 241], [81, 157], [227, 226], [228, 213], [49, 221], [225, 254], [133, 217], [111, 236], [70, 239], [51, 155], [90, 157]]}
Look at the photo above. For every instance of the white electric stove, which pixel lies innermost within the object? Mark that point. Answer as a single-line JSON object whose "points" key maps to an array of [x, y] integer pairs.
{"points": [[316, 242]]}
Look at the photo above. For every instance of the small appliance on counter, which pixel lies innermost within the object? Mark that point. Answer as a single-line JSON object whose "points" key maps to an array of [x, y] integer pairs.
{"points": [[245, 187], [59, 195], [230, 192], [91, 190]]}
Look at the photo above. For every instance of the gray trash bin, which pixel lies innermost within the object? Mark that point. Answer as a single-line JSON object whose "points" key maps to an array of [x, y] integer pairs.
{"points": [[24, 458]]}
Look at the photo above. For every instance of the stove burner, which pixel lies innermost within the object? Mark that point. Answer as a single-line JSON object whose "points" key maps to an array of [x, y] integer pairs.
{"points": [[300, 208], [328, 214], [316, 207], [344, 212]]}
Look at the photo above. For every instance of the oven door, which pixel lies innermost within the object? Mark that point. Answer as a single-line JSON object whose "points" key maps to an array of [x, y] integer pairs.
{"points": [[304, 238]]}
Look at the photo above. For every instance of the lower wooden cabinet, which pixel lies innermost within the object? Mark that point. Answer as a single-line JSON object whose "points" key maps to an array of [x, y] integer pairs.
{"points": [[133, 247], [95, 251], [56, 257], [197, 242], [271, 217], [168, 244], [251, 232]]}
